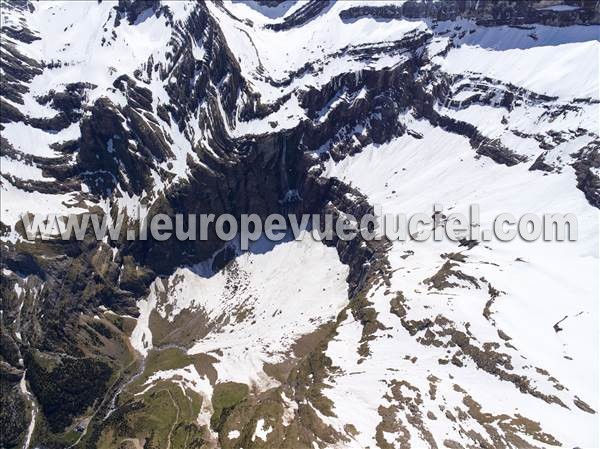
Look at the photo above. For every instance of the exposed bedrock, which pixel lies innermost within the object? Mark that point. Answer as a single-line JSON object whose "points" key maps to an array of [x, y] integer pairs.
{"points": [[484, 12]]}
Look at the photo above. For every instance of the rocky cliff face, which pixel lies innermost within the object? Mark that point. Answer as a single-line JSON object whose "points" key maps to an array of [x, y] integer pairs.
{"points": [[485, 12], [317, 107]]}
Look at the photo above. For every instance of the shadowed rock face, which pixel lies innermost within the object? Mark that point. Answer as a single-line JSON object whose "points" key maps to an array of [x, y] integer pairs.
{"points": [[165, 136], [484, 12], [132, 9]]}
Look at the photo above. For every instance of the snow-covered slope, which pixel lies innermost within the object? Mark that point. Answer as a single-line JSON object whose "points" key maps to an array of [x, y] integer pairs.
{"points": [[489, 329], [300, 107]]}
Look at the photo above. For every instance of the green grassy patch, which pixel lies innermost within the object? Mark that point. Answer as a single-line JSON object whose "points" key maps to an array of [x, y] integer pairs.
{"points": [[226, 396]]}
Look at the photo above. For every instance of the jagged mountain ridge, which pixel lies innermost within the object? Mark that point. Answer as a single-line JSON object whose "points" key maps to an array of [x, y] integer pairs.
{"points": [[214, 115]]}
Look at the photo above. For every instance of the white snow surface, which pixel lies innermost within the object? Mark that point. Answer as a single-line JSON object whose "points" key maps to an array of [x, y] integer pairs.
{"points": [[549, 70], [288, 290], [556, 280], [265, 54], [285, 292]]}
